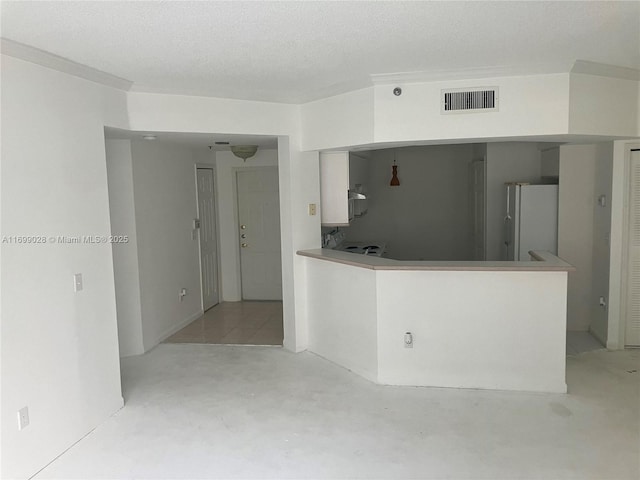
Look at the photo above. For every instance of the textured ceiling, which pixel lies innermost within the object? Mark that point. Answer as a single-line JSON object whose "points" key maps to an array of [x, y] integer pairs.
{"points": [[298, 51]]}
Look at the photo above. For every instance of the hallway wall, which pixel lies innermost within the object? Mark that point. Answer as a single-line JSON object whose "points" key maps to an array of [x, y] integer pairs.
{"points": [[126, 269], [164, 189]]}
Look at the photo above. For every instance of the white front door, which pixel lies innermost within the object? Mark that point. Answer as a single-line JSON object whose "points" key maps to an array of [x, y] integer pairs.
{"points": [[208, 238], [259, 234], [632, 332]]}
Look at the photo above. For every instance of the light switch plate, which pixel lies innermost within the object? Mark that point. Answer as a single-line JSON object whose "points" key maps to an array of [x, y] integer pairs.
{"points": [[23, 418], [77, 282], [312, 209]]}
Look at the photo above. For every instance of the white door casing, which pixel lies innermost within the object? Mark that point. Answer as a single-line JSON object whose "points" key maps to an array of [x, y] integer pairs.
{"points": [[632, 323], [207, 237], [259, 233]]}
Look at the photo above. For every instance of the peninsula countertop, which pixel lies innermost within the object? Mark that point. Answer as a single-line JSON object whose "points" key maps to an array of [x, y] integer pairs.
{"points": [[543, 262]]}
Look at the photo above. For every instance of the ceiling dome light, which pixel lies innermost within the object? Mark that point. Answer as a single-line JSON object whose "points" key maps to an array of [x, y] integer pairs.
{"points": [[244, 151]]}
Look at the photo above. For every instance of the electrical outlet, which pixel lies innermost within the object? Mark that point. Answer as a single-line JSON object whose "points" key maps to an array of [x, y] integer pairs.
{"points": [[408, 340], [23, 418]]}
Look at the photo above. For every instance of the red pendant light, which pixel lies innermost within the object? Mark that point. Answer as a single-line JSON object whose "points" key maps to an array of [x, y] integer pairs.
{"points": [[395, 181]]}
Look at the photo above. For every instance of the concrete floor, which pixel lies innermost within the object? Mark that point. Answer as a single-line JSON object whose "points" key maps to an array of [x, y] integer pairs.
{"points": [[580, 342], [215, 411]]}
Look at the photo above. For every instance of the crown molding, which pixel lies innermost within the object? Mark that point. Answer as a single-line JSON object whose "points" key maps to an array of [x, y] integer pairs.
{"points": [[579, 66], [470, 73], [281, 99], [61, 64], [603, 70]]}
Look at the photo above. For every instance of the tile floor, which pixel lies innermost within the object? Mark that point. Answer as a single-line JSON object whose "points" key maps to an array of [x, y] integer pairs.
{"points": [[235, 323], [219, 411]]}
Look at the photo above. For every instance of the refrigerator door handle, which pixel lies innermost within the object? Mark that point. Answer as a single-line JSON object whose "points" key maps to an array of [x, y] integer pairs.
{"points": [[508, 231]]}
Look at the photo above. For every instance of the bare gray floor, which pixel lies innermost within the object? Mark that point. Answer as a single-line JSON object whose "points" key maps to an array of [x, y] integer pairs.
{"points": [[580, 342], [214, 411]]}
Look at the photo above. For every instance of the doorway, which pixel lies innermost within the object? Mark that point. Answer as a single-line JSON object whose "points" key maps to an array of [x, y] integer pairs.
{"points": [[259, 233], [208, 238]]}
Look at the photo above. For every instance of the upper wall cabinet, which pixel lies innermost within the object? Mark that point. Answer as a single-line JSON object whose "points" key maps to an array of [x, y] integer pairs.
{"points": [[334, 189]]}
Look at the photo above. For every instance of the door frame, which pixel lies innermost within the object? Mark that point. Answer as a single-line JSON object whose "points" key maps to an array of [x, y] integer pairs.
{"points": [[212, 167], [236, 219]]}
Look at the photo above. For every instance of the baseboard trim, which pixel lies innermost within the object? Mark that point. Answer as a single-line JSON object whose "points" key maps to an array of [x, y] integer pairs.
{"points": [[598, 336], [174, 328]]}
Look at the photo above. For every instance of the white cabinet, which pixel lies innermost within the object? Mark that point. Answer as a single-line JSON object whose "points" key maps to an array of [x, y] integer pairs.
{"points": [[334, 189]]}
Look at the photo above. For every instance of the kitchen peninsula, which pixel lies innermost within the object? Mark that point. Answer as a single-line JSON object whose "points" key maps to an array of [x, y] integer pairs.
{"points": [[490, 325]]}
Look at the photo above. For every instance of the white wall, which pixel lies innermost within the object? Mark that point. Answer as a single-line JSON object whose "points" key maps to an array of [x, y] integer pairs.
{"points": [[342, 316], [584, 232], [603, 155], [164, 189], [506, 162], [227, 164], [299, 185], [495, 330], [479, 151], [125, 255], [471, 329], [533, 105], [59, 348], [550, 162], [425, 218], [345, 120], [603, 106], [576, 200]]}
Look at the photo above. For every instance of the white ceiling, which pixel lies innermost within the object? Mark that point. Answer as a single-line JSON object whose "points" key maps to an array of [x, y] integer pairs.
{"points": [[299, 51]]}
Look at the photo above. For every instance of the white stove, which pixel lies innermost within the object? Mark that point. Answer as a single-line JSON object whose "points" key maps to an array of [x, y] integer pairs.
{"points": [[363, 248], [336, 241]]}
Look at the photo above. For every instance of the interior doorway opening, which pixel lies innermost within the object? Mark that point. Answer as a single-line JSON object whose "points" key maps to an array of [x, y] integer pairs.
{"points": [[250, 308], [174, 198]]}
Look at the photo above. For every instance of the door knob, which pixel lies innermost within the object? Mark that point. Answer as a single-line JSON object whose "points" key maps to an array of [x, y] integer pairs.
{"points": [[244, 245], [243, 227]]}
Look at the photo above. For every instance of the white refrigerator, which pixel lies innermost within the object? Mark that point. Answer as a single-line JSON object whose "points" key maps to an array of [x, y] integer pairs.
{"points": [[531, 220]]}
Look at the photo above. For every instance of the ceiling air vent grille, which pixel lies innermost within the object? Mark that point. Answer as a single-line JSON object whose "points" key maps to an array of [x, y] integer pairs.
{"points": [[465, 100]]}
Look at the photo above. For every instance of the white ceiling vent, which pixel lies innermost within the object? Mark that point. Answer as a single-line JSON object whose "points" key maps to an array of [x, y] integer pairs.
{"points": [[467, 100]]}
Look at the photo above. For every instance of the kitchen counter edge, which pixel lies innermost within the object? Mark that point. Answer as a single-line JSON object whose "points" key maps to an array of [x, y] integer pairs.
{"points": [[544, 262]]}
